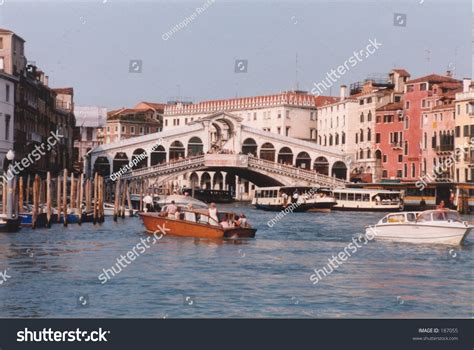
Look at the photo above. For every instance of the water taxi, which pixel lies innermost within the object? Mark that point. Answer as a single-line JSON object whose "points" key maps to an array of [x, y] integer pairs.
{"points": [[359, 199], [299, 198], [442, 226], [198, 223]]}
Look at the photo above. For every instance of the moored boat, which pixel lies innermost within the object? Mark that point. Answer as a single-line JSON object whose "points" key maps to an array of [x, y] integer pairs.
{"points": [[9, 225], [442, 226], [197, 224], [109, 211]]}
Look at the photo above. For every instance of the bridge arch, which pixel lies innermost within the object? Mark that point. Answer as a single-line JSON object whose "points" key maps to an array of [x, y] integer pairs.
{"points": [[321, 165], [285, 156], [267, 151], [249, 146], [141, 162], [102, 166], [158, 156], [303, 160], [339, 170], [120, 161], [195, 146], [206, 181], [177, 150]]}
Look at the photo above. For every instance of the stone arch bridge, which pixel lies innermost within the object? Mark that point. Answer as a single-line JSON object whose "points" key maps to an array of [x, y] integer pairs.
{"points": [[221, 143]]}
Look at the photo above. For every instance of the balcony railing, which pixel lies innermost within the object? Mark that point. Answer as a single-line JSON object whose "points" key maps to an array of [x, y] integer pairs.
{"points": [[397, 145], [444, 148]]}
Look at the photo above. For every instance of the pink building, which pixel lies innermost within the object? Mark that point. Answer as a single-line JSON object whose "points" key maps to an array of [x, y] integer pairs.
{"points": [[420, 96]]}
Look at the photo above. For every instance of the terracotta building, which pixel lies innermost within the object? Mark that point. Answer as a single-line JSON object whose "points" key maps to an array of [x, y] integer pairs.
{"points": [[418, 97], [145, 118]]}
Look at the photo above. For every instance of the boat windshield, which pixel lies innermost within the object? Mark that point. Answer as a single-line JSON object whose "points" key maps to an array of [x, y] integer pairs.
{"points": [[439, 215]]}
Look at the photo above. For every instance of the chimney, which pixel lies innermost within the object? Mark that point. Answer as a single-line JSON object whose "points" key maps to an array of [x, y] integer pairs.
{"points": [[449, 73], [466, 82], [343, 92], [46, 80]]}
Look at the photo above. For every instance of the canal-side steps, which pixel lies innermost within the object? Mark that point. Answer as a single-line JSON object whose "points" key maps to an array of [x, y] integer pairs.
{"points": [[165, 171]]}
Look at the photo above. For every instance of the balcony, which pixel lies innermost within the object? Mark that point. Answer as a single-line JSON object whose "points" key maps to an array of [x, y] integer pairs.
{"points": [[444, 148], [397, 145]]}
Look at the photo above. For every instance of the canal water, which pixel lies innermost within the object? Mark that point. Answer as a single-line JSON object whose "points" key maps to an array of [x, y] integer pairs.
{"points": [[55, 273]]}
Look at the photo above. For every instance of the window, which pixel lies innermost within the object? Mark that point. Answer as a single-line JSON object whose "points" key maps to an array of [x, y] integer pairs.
{"points": [[385, 158], [406, 148], [1, 43], [407, 105], [406, 122], [369, 116], [1, 63], [405, 170], [279, 130], [343, 138], [397, 99], [361, 102], [89, 133], [413, 170], [362, 117], [384, 174], [423, 87], [361, 135], [409, 88], [123, 128], [279, 115], [166, 122], [377, 138], [141, 131], [369, 134], [399, 173], [378, 119], [400, 158], [7, 92], [458, 131], [287, 114], [312, 116], [287, 131], [369, 100], [255, 116], [7, 127]]}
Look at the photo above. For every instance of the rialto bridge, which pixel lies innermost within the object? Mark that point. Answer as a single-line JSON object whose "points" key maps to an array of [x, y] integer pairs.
{"points": [[215, 151]]}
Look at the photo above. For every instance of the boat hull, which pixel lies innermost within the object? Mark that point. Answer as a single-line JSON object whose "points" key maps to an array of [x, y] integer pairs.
{"points": [[27, 220], [153, 222], [10, 225], [420, 234]]}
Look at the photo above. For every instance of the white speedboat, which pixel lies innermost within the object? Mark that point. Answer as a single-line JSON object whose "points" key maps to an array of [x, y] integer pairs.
{"points": [[442, 226], [109, 210]]}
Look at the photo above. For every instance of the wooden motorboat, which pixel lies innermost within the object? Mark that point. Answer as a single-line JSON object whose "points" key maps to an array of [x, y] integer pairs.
{"points": [[199, 226]]}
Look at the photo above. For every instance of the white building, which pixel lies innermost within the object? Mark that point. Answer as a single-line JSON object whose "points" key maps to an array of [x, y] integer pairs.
{"points": [[90, 121], [7, 107], [348, 124], [289, 113]]}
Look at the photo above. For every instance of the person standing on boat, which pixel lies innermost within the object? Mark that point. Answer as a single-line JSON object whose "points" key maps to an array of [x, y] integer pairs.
{"points": [[285, 199], [213, 217], [451, 199], [295, 196], [171, 210], [422, 204]]}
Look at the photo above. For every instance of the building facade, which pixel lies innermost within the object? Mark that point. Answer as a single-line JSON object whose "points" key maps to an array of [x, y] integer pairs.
{"points": [[90, 122], [464, 133], [289, 114], [145, 118], [420, 96], [7, 113]]}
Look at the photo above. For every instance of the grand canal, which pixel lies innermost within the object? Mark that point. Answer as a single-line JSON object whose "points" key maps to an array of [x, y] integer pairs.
{"points": [[54, 273]]}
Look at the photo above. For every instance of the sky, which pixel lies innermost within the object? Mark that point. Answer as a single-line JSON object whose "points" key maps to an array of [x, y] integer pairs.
{"points": [[114, 53]]}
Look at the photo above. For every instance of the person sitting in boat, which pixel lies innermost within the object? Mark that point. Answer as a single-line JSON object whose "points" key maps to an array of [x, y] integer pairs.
{"points": [[189, 215], [177, 215], [171, 210], [225, 222], [213, 215], [242, 221], [441, 205]]}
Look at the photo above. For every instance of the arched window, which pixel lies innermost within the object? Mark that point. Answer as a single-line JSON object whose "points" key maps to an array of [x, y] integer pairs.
{"points": [[369, 134], [337, 139], [343, 138], [361, 154], [405, 170], [362, 117], [369, 153], [330, 140], [361, 135], [369, 116], [413, 170]]}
